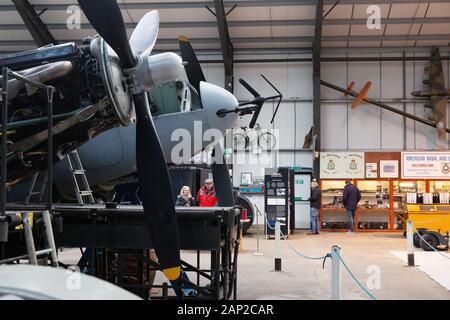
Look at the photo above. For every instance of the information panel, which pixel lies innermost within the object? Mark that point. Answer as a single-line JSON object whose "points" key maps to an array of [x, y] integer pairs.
{"points": [[426, 165]]}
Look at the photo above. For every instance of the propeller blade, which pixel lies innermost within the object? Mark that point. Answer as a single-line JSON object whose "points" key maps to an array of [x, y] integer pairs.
{"points": [[194, 71], [361, 95], [222, 179], [144, 35], [259, 101], [249, 88], [106, 18], [276, 110], [156, 190]]}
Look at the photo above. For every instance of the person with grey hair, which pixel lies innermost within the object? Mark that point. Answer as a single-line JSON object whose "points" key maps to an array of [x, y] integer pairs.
{"points": [[315, 202]]}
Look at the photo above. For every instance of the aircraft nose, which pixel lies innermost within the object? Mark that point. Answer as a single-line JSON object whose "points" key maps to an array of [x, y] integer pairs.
{"points": [[215, 98]]}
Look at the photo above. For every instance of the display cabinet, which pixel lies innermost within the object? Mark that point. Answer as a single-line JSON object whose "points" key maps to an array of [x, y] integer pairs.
{"points": [[382, 206], [439, 186], [374, 207], [333, 215]]}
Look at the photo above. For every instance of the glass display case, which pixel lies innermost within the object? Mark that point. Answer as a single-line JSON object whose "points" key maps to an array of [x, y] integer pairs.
{"points": [[333, 212], [439, 186], [374, 208], [400, 189], [383, 202]]}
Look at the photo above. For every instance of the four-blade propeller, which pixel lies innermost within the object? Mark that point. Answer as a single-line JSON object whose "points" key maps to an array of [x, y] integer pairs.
{"points": [[159, 210]]}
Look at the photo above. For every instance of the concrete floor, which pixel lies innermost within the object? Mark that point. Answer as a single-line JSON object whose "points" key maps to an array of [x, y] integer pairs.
{"points": [[305, 279]]}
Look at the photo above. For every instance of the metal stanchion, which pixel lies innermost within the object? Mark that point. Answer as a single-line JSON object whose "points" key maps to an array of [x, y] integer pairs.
{"points": [[277, 246], [3, 221], [50, 239], [257, 253], [50, 91], [29, 241], [410, 242], [335, 273]]}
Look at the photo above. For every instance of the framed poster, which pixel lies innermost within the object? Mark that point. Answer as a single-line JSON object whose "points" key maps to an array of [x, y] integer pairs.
{"points": [[342, 165], [246, 178], [372, 170], [388, 168]]}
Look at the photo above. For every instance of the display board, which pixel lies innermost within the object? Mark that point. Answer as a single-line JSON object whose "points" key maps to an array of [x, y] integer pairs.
{"points": [[302, 187], [388, 169], [302, 205], [342, 165], [372, 170], [425, 165]]}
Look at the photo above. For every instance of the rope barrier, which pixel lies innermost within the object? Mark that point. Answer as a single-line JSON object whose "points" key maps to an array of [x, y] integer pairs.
{"points": [[295, 250], [355, 279], [324, 258], [302, 255], [420, 236]]}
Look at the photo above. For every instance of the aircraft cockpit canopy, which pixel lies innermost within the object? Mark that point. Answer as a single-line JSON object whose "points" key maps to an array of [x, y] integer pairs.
{"points": [[172, 97]]}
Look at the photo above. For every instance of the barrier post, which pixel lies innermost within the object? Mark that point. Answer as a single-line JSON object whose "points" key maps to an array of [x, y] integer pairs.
{"points": [[335, 273], [257, 253], [277, 246], [410, 243]]}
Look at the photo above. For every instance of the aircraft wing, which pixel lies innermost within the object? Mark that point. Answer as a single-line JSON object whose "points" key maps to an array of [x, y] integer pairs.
{"points": [[436, 92]]}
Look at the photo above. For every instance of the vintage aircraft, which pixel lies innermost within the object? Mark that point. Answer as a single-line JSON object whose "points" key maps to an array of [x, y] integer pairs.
{"points": [[98, 85], [193, 106], [127, 78], [437, 95]]}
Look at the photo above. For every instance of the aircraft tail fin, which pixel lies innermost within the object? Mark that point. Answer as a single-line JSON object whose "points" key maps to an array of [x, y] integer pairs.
{"points": [[350, 87]]}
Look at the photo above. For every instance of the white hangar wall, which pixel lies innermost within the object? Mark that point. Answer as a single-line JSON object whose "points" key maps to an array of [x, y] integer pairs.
{"points": [[294, 118], [366, 128], [369, 127]]}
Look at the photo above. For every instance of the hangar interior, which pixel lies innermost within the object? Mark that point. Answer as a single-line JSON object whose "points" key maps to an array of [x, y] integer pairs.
{"points": [[297, 44]]}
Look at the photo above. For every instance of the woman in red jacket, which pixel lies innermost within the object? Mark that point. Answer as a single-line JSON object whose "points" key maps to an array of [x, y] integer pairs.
{"points": [[206, 196]]}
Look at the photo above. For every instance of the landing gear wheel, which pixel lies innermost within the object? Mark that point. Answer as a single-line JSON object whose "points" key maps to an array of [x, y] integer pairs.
{"points": [[431, 240]]}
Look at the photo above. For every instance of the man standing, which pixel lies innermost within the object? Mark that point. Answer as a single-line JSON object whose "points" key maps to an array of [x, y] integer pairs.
{"points": [[206, 196], [315, 201], [350, 199]]}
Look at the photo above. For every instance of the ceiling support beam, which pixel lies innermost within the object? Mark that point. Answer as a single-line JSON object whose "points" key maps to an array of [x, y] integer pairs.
{"points": [[225, 44], [317, 46], [39, 32], [252, 23], [293, 40], [228, 4]]}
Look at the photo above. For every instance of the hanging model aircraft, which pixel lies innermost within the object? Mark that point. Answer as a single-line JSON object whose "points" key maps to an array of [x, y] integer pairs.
{"points": [[436, 93]]}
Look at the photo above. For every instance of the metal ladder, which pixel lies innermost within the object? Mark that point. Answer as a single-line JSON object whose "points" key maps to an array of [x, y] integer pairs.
{"points": [[31, 193], [32, 255], [75, 167]]}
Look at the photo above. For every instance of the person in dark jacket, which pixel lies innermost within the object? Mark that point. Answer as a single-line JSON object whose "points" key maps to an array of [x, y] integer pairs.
{"points": [[350, 199], [185, 199], [315, 201]]}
